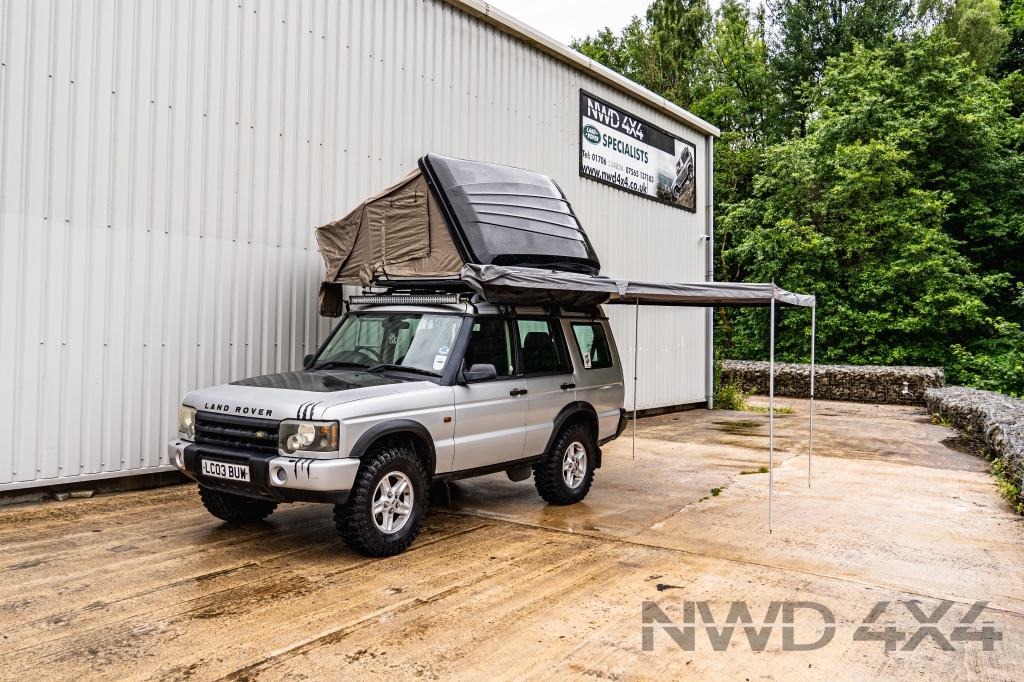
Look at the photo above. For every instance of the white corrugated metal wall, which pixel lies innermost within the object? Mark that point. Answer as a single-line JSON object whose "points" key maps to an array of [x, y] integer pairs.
{"points": [[163, 165]]}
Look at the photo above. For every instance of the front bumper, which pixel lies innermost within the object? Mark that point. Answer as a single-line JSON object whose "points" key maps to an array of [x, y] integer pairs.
{"points": [[272, 477]]}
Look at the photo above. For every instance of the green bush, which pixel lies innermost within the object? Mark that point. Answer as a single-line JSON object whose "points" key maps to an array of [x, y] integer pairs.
{"points": [[994, 363], [729, 395], [1008, 487]]}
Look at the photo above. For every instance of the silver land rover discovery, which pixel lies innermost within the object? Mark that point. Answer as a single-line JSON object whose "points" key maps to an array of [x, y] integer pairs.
{"points": [[407, 392]]}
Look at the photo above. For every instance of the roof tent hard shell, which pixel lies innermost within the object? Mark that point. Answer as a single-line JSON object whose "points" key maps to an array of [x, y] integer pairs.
{"points": [[446, 214]]}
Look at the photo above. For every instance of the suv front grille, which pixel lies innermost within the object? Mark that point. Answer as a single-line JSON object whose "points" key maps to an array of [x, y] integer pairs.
{"points": [[236, 433]]}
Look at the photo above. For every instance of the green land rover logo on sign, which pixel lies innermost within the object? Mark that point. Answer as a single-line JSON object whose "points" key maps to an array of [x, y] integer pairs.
{"points": [[592, 134]]}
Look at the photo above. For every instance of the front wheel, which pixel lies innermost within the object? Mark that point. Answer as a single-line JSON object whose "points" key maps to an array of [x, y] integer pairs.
{"points": [[386, 508], [567, 473], [235, 508]]}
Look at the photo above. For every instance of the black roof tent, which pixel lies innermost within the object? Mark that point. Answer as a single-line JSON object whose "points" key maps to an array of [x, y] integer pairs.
{"points": [[500, 215]]}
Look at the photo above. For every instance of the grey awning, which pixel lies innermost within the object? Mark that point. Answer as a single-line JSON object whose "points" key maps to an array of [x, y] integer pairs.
{"points": [[531, 286]]}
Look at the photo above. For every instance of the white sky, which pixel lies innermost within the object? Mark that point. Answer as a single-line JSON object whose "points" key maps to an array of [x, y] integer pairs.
{"points": [[564, 20]]}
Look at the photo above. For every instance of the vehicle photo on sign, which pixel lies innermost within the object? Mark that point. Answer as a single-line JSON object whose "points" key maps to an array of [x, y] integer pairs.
{"points": [[627, 152]]}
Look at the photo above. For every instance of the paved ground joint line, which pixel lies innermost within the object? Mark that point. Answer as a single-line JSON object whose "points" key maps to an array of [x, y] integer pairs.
{"points": [[610, 538]]}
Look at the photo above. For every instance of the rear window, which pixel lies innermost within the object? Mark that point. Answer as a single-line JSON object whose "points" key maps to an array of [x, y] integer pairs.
{"points": [[541, 347], [593, 345]]}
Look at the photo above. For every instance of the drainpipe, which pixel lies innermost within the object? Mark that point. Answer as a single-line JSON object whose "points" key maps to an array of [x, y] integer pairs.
{"points": [[710, 275]]}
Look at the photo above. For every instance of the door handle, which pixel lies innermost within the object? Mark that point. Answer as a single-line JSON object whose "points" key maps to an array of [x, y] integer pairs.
{"points": [[517, 391], [566, 387]]}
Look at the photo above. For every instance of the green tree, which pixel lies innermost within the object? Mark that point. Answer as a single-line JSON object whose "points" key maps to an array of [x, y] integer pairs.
{"points": [[737, 90], [735, 87], [679, 30], [976, 26], [660, 51], [633, 53], [909, 156], [1012, 58], [810, 32], [959, 140], [848, 223]]}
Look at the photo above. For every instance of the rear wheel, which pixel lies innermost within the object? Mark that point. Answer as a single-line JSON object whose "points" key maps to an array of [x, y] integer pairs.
{"points": [[386, 508], [235, 508], [567, 473]]}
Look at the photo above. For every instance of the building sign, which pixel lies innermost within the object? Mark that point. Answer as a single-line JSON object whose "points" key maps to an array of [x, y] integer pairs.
{"points": [[620, 149]]}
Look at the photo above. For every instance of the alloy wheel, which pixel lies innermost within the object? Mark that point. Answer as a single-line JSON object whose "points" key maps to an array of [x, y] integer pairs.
{"points": [[392, 502], [574, 464]]}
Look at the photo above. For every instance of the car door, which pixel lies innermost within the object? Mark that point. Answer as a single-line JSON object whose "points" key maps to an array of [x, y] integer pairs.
{"points": [[490, 416], [598, 377], [548, 374]]}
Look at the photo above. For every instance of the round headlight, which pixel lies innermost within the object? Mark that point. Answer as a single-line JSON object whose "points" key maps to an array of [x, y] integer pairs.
{"points": [[187, 421], [306, 434]]}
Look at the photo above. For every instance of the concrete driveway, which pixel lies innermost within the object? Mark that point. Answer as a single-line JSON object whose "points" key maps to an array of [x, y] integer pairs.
{"points": [[901, 541]]}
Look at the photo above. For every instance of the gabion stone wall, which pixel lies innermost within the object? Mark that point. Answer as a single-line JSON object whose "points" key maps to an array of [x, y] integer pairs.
{"points": [[862, 384], [998, 418]]}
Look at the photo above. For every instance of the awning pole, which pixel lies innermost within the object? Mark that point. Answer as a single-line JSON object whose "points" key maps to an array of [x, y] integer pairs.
{"points": [[771, 417], [636, 354], [810, 438]]}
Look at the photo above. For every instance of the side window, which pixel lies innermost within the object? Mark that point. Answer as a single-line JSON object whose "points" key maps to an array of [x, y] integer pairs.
{"points": [[593, 345], [541, 350], [491, 344]]}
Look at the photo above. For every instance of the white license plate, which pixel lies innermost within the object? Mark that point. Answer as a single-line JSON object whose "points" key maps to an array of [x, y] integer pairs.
{"points": [[232, 472]]}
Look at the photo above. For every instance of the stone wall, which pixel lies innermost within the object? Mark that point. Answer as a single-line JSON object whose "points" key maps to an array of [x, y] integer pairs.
{"points": [[998, 419], [862, 384]]}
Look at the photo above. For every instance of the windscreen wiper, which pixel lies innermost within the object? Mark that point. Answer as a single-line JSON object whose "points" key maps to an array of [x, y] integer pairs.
{"points": [[403, 368], [335, 364]]}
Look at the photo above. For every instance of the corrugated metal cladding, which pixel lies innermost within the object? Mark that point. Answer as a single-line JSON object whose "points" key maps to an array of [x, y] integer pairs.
{"points": [[164, 165]]}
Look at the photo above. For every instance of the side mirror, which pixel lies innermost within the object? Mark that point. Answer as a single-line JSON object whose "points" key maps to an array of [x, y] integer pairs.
{"points": [[306, 360], [480, 373]]}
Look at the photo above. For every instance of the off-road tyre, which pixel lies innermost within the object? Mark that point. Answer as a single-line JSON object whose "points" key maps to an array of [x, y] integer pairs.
{"points": [[355, 520], [235, 508], [548, 474]]}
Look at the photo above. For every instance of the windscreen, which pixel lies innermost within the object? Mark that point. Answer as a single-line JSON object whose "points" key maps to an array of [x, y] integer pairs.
{"points": [[419, 341]]}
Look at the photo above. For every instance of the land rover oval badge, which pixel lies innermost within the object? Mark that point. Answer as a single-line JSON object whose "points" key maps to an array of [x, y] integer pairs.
{"points": [[592, 134], [260, 434]]}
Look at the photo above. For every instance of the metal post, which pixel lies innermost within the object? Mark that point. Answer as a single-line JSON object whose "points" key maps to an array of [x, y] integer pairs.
{"points": [[636, 354], [810, 437], [771, 416]]}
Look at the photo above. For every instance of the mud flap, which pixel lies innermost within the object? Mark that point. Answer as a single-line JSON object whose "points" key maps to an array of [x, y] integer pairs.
{"points": [[519, 473], [440, 495]]}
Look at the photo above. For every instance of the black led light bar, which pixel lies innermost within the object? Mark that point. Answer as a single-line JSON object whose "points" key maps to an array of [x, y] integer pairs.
{"points": [[409, 299]]}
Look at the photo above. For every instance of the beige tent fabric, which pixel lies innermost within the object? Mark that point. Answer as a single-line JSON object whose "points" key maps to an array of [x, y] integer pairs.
{"points": [[398, 232]]}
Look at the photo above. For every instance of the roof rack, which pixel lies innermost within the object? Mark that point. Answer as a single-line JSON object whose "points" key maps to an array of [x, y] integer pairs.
{"points": [[431, 285]]}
